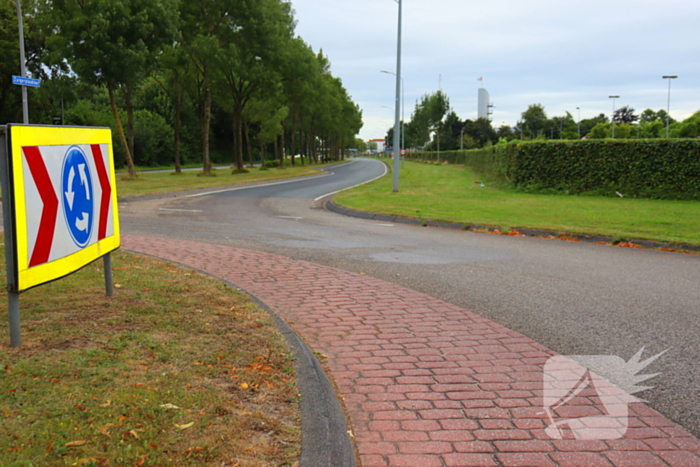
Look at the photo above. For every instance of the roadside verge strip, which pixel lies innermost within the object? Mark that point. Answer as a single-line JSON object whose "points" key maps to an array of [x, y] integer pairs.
{"points": [[525, 232]]}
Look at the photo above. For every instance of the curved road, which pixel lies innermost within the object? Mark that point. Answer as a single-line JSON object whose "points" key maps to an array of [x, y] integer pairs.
{"points": [[575, 298]]}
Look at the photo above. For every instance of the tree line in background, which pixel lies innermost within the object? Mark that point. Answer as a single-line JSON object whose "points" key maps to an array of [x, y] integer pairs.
{"points": [[183, 82], [435, 126]]}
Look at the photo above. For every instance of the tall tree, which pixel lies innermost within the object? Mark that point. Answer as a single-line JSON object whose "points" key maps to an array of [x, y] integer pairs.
{"points": [[112, 43], [249, 59], [625, 115], [534, 121]]}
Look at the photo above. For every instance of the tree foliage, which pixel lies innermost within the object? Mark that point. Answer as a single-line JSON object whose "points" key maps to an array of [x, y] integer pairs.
{"points": [[213, 80]]}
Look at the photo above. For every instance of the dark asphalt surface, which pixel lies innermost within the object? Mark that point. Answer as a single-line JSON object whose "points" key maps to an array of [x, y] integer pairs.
{"points": [[575, 298]]}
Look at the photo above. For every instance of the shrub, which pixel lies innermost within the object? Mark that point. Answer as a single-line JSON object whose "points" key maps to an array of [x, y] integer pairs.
{"points": [[660, 168]]}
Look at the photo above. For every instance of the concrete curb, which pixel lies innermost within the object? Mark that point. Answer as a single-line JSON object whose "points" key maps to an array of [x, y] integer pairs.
{"points": [[325, 435], [650, 244]]}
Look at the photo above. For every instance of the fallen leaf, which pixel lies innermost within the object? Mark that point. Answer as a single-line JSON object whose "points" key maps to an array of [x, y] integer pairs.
{"points": [[76, 443], [105, 429], [169, 406], [184, 427], [86, 460], [244, 385], [106, 404]]}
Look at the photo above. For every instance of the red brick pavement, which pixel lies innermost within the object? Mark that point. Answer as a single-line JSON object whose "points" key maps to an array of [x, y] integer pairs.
{"points": [[426, 383]]}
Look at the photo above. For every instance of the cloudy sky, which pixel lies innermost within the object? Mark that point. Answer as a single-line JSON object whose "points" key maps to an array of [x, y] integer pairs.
{"points": [[561, 54]]}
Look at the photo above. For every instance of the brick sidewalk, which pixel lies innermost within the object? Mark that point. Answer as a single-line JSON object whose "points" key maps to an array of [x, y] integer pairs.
{"points": [[427, 383]]}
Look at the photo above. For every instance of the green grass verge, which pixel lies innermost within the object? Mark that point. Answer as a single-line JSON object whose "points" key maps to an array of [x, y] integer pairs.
{"points": [[165, 182], [449, 193], [175, 370]]}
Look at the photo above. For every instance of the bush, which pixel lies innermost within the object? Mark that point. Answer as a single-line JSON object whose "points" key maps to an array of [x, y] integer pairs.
{"points": [[640, 168], [660, 168], [271, 164], [153, 139]]}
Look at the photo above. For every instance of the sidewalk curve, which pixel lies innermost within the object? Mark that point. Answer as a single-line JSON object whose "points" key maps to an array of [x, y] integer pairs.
{"points": [[426, 383]]}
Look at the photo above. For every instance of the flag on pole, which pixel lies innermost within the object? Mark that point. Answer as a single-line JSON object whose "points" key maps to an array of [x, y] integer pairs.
{"points": [[480, 78]]}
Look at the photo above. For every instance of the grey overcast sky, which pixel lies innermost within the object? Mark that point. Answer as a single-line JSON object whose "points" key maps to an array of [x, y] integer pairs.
{"points": [[561, 54]]}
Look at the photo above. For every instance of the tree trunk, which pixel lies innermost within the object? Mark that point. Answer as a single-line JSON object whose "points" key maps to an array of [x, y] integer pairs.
{"points": [[129, 119], [120, 131], [176, 124], [238, 138], [248, 145], [278, 152], [206, 166]]}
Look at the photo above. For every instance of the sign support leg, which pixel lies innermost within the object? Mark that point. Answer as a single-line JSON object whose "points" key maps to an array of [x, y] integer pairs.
{"points": [[109, 284], [13, 308]]}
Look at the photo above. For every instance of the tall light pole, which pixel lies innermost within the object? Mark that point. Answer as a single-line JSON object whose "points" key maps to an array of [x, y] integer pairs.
{"points": [[612, 116], [23, 69], [403, 129], [668, 109], [578, 124], [397, 123]]}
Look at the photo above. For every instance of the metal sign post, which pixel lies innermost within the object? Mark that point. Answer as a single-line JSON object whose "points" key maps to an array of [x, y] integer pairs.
{"points": [[12, 294]]}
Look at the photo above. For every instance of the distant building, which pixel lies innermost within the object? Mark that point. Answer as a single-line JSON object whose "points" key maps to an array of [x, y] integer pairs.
{"points": [[484, 109]]}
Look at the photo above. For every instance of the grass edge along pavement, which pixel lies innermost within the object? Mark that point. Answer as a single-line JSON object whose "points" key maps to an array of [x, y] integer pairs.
{"points": [[176, 369], [454, 196], [150, 183]]}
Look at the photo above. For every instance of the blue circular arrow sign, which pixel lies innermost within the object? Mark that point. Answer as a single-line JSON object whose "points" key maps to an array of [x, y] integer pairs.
{"points": [[77, 196]]}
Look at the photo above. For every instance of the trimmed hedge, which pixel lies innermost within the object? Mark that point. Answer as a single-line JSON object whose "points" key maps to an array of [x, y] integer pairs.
{"points": [[659, 168]]}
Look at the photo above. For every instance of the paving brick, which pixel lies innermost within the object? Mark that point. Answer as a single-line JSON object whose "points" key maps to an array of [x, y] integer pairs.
{"points": [[523, 446], [403, 436], [524, 460], [413, 460], [373, 460], [426, 447], [451, 435], [680, 458], [580, 459], [494, 435], [377, 448], [634, 459], [469, 460], [420, 425]]}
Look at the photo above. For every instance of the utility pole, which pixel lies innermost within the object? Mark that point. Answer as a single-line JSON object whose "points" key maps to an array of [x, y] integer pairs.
{"points": [[22, 63]]}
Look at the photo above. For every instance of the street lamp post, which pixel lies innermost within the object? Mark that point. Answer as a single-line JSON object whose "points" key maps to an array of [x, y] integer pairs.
{"points": [[23, 68], [612, 116], [403, 121], [578, 124], [397, 124], [668, 109]]}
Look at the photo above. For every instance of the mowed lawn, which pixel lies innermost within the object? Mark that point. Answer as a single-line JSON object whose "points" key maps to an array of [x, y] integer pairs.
{"points": [[165, 182], [451, 193]]}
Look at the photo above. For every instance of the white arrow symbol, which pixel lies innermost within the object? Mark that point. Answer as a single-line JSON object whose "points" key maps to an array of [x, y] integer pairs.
{"points": [[70, 194], [83, 179], [82, 223]]}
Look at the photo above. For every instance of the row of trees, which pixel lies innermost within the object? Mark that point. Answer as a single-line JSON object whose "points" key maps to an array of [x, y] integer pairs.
{"points": [[534, 124], [179, 80], [435, 126]]}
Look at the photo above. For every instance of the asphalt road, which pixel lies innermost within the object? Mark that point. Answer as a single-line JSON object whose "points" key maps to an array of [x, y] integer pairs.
{"points": [[575, 298]]}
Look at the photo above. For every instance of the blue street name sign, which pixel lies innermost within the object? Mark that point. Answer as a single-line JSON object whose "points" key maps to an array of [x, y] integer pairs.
{"points": [[25, 81]]}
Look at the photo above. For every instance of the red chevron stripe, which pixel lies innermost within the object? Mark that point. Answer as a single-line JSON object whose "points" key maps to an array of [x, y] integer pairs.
{"points": [[106, 190], [47, 225]]}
